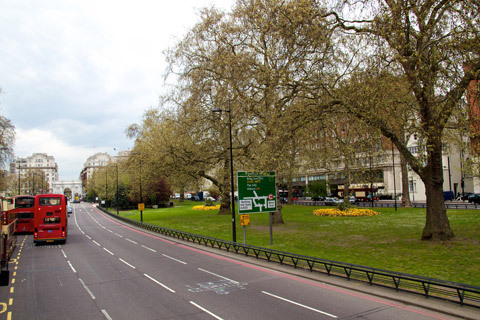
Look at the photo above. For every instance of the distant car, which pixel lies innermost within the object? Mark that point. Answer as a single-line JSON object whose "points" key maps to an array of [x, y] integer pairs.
{"points": [[331, 201], [210, 198], [69, 209], [352, 199]]}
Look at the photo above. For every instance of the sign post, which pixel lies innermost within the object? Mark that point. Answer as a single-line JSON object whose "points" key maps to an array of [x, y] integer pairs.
{"points": [[141, 207], [244, 222], [257, 192]]}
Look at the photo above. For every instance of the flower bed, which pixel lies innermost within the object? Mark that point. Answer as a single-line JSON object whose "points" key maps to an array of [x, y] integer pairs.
{"points": [[353, 212], [205, 208]]}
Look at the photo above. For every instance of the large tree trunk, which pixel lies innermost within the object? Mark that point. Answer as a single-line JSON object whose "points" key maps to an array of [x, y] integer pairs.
{"points": [[437, 226], [225, 191], [405, 192], [277, 215], [289, 189], [225, 205]]}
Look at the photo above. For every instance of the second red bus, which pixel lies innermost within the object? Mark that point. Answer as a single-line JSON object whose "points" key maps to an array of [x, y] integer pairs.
{"points": [[24, 208]]}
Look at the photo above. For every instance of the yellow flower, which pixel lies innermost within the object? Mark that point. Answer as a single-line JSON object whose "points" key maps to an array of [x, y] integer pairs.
{"points": [[353, 212], [205, 208]]}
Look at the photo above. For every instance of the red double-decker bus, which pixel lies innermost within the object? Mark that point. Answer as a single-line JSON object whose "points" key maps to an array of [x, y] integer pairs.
{"points": [[8, 240], [24, 208], [50, 218]]}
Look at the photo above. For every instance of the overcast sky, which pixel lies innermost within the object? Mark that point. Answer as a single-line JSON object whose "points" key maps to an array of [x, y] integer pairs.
{"points": [[75, 73]]}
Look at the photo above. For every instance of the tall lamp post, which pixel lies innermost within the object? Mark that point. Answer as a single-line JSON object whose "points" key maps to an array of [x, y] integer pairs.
{"points": [[116, 196], [106, 194], [234, 231], [19, 167], [141, 198]]}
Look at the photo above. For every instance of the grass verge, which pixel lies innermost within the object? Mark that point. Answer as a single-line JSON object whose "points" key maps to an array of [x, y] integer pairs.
{"points": [[390, 240]]}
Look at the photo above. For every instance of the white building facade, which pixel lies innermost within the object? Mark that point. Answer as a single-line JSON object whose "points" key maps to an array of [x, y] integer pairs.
{"points": [[388, 175], [96, 161], [37, 162], [71, 188]]}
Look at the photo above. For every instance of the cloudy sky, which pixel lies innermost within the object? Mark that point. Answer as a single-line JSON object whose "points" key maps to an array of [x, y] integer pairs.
{"points": [[75, 73]]}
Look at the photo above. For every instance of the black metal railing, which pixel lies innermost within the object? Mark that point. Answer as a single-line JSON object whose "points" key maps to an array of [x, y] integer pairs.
{"points": [[428, 287]]}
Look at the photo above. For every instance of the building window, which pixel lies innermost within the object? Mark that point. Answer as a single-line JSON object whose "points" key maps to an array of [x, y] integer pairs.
{"points": [[411, 185]]}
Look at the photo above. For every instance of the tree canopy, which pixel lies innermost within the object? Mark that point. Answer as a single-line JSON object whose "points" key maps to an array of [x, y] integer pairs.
{"points": [[280, 68]]}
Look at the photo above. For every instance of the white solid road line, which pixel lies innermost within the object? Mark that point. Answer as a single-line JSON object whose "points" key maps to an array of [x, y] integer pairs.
{"points": [[159, 283], [300, 305], [128, 264], [205, 310]]}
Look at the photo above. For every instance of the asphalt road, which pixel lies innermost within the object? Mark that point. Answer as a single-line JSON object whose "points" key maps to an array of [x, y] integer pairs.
{"points": [[108, 270]]}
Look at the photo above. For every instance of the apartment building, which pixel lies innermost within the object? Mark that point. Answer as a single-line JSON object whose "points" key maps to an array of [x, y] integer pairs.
{"points": [[98, 160], [37, 163]]}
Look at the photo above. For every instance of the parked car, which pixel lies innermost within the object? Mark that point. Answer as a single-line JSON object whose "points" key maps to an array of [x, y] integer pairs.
{"points": [[448, 195], [466, 195], [474, 198], [331, 201], [352, 199]]}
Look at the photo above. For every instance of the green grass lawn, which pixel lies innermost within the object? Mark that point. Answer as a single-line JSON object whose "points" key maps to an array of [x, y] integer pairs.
{"points": [[389, 241]]}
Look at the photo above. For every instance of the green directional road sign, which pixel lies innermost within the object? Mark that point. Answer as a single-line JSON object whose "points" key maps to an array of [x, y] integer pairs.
{"points": [[256, 192]]}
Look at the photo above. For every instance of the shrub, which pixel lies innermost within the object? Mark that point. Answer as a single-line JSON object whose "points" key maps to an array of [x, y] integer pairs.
{"points": [[345, 205]]}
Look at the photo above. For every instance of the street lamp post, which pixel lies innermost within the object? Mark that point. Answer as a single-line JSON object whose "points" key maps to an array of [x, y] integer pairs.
{"points": [[19, 167], [33, 183], [234, 232], [141, 197], [106, 194], [116, 196]]}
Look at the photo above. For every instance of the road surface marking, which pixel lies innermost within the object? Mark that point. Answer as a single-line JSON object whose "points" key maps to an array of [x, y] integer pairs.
{"points": [[128, 264], [159, 283], [108, 251], [73, 269], [149, 248], [173, 258], [105, 313], [205, 310], [217, 275], [300, 305], [86, 288]]}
